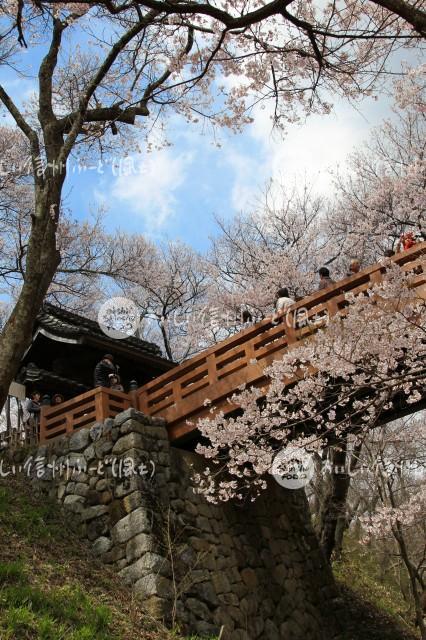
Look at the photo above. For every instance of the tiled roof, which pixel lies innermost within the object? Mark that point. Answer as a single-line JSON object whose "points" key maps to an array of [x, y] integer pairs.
{"points": [[32, 373], [67, 324]]}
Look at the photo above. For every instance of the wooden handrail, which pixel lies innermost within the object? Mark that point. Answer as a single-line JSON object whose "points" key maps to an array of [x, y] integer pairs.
{"points": [[215, 374], [82, 411], [180, 394]]}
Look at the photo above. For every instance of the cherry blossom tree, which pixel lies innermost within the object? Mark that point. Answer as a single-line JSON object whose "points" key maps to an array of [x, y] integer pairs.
{"points": [[383, 194], [364, 367], [279, 244], [393, 511], [170, 287], [108, 65]]}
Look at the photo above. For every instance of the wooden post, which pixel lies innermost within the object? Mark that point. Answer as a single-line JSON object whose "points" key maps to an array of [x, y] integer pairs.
{"points": [[290, 330], [333, 307], [101, 404], [211, 368], [376, 277], [141, 401], [42, 423]]}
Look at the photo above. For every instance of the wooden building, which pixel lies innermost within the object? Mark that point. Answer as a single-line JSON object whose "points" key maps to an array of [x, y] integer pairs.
{"points": [[66, 347]]}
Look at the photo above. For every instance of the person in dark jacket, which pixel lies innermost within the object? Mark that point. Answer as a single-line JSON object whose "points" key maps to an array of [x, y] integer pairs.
{"points": [[33, 404], [103, 370]]}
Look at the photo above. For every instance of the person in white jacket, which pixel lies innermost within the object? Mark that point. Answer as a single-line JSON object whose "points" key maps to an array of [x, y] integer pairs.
{"points": [[282, 302]]}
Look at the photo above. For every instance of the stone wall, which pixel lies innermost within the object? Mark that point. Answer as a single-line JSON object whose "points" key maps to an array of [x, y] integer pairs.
{"points": [[256, 571]]}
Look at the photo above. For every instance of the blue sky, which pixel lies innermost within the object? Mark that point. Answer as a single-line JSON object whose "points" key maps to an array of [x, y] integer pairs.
{"points": [[174, 193], [177, 191]]}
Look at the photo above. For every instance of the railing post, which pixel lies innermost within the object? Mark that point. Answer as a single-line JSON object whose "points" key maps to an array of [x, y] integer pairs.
{"points": [[290, 329], [101, 404], [133, 387], [211, 368], [177, 391], [376, 277], [332, 307], [69, 427], [42, 423], [141, 402]]}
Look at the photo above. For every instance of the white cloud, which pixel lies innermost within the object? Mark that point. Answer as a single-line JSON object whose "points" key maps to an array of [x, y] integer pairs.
{"points": [[150, 187], [309, 150]]}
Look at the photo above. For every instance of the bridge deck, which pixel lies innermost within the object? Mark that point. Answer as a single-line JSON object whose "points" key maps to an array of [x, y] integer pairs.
{"points": [[215, 374]]}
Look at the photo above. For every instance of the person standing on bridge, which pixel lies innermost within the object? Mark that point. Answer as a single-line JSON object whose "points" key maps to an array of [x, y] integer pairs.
{"points": [[282, 302], [325, 280], [103, 370], [354, 267], [406, 241]]}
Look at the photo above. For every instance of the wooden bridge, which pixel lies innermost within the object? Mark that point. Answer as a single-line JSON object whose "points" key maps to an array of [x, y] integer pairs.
{"points": [[180, 395]]}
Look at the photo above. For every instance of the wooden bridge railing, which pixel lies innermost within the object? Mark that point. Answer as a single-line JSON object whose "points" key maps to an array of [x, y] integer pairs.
{"points": [[82, 411], [215, 374], [180, 395]]}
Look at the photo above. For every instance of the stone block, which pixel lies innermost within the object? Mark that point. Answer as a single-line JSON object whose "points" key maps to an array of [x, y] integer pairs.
{"points": [[153, 585], [79, 440], [249, 605], [61, 491], [74, 504], [114, 555], [95, 431], [120, 564], [76, 461], [130, 414], [127, 485], [257, 625], [271, 631], [157, 608], [280, 574], [79, 476], [102, 485], [139, 545], [92, 497], [203, 524], [129, 441], [229, 599], [102, 448], [198, 608], [205, 592], [101, 545], [199, 544], [107, 428], [81, 489], [90, 453], [94, 512], [116, 511], [237, 615], [136, 522], [105, 497], [221, 583], [149, 563], [205, 629], [70, 487], [132, 501]]}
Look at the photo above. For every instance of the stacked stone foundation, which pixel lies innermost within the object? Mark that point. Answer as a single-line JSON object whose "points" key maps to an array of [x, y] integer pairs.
{"points": [[247, 572]]}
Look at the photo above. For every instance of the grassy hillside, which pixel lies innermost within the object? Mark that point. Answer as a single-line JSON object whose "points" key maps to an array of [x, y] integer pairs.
{"points": [[50, 586], [374, 602]]}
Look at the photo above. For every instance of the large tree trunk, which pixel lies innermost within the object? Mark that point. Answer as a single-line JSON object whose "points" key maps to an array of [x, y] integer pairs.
{"points": [[41, 263], [333, 507], [333, 514]]}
